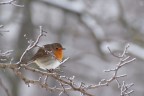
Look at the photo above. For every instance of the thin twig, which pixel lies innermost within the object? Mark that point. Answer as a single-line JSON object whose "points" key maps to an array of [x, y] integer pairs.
{"points": [[123, 61], [12, 2], [30, 46]]}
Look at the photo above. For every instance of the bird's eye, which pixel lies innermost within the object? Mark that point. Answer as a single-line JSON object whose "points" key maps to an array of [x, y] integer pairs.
{"points": [[56, 48]]}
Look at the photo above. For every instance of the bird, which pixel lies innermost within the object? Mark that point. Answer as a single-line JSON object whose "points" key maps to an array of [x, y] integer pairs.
{"points": [[49, 56]]}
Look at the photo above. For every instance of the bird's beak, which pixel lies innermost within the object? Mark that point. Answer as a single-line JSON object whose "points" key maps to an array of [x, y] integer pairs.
{"points": [[63, 48]]}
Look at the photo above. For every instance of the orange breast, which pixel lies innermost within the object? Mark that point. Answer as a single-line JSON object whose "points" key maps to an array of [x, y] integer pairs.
{"points": [[59, 54]]}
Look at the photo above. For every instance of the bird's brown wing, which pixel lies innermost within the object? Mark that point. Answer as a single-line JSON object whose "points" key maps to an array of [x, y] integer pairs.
{"points": [[41, 52]]}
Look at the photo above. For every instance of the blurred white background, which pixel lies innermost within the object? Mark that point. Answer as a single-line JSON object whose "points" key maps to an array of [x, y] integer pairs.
{"points": [[85, 28]]}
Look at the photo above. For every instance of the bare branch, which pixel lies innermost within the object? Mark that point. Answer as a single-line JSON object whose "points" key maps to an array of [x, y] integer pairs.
{"points": [[12, 2], [30, 46], [67, 84], [5, 56], [123, 61], [64, 80]]}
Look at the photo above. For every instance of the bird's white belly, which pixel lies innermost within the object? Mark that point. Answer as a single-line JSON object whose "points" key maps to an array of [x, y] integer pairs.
{"points": [[47, 64]]}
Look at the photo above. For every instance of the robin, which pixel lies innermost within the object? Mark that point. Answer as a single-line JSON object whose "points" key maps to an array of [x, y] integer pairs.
{"points": [[49, 56]]}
